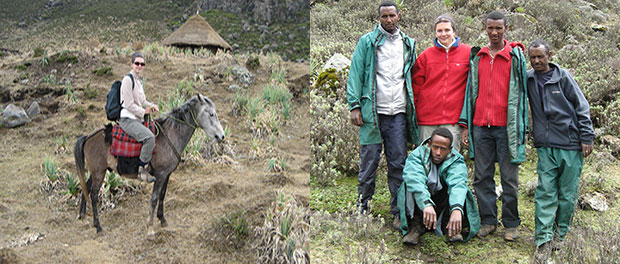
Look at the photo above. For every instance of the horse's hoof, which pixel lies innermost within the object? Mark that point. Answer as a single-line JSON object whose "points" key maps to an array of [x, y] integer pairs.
{"points": [[164, 224]]}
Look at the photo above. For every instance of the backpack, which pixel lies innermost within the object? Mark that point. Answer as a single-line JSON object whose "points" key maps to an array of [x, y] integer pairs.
{"points": [[113, 103]]}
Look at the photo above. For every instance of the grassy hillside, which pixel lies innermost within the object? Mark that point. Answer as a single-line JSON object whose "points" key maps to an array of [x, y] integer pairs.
{"points": [[72, 23], [584, 39]]}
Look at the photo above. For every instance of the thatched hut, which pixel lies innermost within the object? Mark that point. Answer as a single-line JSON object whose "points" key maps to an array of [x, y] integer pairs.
{"points": [[196, 33]]}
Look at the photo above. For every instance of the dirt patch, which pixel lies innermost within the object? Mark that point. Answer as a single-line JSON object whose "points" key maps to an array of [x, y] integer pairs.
{"points": [[7, 256], [278, 179]]}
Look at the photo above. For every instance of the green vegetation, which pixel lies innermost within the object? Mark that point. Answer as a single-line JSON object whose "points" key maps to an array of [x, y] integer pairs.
{"points": [[237, 223], [50, 79], [38, 52], [113, 182], [50, 170], [44, 61], [90, 92], [72, 186], [103, 71], [71, 96], [285, 235], [66, 56], [21, 67]]}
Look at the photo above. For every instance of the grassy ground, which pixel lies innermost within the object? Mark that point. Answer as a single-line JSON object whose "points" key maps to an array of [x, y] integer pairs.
{"points": [[340, 236]]}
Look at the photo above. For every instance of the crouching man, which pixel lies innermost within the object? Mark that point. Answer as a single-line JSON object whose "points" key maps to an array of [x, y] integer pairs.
{"points": [[434, 194]]}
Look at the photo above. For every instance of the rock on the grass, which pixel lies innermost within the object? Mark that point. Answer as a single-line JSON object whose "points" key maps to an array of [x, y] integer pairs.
{"points": [[33, 110], [234, 88], [595, 201], [337, 61], [13, 116], [530, 186], [242, 75], [499, 190], [613, 143]]}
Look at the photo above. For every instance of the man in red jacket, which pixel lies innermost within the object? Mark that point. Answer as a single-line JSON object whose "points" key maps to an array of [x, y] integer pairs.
{"points": [[439, 78]]}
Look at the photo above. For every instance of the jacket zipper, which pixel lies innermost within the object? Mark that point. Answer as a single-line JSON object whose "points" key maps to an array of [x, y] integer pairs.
{"points": [[490, 98]]}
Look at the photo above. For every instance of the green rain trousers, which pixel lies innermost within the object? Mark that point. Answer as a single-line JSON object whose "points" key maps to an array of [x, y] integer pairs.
{"points": [[556, 194]]}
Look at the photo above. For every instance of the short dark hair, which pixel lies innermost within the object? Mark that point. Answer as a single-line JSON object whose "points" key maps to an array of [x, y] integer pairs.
{"points": [[538, 43], [135, 55], [443, 132], [387, 3], [496, 15], [445, 18]]}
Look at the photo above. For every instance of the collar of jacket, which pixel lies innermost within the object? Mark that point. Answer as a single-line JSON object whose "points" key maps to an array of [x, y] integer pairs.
{"points": [[451, 158], [454, 45], [379, 37], [555, 77], [504, 53]]}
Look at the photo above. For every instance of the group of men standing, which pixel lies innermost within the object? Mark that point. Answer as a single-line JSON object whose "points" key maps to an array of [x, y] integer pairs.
{"points": [[454, 96]]}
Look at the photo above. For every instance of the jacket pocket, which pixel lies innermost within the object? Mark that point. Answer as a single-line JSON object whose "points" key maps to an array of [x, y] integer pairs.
{"points": [[367, 112]]}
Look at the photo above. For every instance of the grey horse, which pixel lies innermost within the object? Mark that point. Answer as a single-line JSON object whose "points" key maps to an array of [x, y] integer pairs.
{"points": [[175, 130]]}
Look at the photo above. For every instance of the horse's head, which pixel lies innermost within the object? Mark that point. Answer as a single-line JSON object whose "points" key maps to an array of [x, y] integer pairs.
{"points": [[207, 119]]}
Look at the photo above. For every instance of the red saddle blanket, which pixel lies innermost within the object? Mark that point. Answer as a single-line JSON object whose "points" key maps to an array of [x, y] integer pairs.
{"points": [[124, 145]]}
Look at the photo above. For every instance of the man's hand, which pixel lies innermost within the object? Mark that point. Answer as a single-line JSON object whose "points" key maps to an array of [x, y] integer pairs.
{"points": [[430, 218], [586, 149], [465, 137], [155, 108], [455, 223], [356, 117]]}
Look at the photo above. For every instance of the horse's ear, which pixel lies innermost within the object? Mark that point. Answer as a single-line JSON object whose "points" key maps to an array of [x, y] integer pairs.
{"points": [[200, 98]]}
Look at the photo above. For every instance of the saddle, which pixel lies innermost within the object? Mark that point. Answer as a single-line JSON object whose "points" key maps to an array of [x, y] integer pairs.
{"points": [[124, 145]]}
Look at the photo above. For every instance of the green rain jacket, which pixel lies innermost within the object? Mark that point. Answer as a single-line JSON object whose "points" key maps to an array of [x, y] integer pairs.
{"points": [[517, 124], [453, 175], [362, 85]]}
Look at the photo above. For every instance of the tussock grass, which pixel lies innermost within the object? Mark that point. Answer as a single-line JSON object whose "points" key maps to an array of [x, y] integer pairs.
{"points": [[285, 234]]}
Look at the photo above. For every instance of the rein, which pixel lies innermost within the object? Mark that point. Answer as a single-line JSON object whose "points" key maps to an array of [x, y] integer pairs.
{"points": [[159, 128]]}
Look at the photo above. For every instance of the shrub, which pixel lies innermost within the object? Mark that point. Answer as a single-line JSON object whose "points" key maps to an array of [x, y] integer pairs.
{"points": [[21, 67], [66, 56], [103, 71], [113, 182], [50, 170], [278, 97], [71, 96], [44, 60], [334, 142], [90, 92], [50, 79], [61, 144], [591, 244], [38, 52], [72, 186], [253, 63], [285, 234]]}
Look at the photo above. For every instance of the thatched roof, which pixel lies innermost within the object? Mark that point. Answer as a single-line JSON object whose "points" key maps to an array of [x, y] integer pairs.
{"points": [[196, 32]]}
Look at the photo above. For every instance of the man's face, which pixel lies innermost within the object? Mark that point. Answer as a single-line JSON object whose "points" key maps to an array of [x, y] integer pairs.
{"points": [[440, 147], [495, 30], [444, 33], [539, 59], [389, 18]]}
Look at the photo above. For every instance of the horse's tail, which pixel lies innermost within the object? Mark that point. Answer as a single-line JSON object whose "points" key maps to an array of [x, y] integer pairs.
{"points": [[78, 153]]}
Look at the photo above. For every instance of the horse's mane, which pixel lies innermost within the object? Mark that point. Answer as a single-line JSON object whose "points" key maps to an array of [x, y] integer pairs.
{"points": [[179, 113]]}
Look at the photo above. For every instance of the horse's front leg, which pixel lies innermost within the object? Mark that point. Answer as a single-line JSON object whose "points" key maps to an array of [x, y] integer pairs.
{"points": [[157, 186], [160, 207]]}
